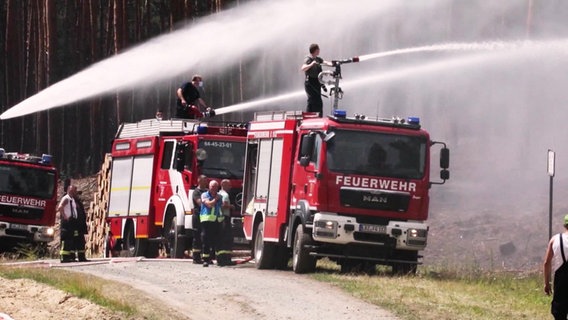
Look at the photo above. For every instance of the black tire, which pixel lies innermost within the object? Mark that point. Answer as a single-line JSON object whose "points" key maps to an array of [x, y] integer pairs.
{"points": [[302, 262], [403, 269], [152, 250], [263, 251], [134, 247], [175, 244], [281, 257]]}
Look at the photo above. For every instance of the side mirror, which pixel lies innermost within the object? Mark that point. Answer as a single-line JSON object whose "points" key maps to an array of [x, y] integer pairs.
{"points": [[445, 174], [180, 157], [444, 163], [444, 158], [307, 149]]}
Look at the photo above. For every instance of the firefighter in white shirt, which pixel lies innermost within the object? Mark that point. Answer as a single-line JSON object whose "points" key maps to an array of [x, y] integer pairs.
{"points": [[68, 213], [555, 262]]}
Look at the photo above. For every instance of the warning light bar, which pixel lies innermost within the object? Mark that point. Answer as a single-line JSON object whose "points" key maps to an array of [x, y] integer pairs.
{"points": [[26, 157]]}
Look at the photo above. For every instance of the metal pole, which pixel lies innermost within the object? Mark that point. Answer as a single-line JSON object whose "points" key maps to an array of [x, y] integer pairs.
{"points": [[550, 208], [551, 168]]}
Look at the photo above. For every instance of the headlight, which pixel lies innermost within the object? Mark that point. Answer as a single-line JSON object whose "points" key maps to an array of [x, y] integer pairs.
{"points": [[47, 231], [326, 224], [417, 233], [325, 228]]}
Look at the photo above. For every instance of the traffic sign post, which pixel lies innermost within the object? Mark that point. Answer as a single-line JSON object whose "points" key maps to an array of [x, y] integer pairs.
{"points": [[550, 169]]}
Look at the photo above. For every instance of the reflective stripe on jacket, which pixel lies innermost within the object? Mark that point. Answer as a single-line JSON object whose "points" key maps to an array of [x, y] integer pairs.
{"points": [[211, 214]]}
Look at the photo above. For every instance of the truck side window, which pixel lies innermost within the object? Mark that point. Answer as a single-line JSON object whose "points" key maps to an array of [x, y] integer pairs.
{"points": [[315, 151], [167, 155], [188, 156]]}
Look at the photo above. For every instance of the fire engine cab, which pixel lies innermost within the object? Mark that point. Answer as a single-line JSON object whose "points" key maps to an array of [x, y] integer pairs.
{"points": [[28, 198], [353, 189], [155, 167]]}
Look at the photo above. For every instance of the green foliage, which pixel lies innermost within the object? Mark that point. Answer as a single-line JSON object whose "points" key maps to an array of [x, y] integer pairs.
{"points": [[79, 285], [443, 293]]}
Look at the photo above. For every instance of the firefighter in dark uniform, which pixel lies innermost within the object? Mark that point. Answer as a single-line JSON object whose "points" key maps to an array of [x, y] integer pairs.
{"points": [[69, 221], [197, 245], [224, 252], [190, 105], [210, 218], [81, 228], [312, 68]]}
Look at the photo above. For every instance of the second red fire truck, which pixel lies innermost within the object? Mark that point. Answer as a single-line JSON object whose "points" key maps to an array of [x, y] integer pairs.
{"points": [[28, 197], [155, 166], [352, 189]]}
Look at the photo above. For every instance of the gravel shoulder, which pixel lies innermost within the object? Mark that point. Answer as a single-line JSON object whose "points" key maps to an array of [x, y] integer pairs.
{"points": [[240, 292]]}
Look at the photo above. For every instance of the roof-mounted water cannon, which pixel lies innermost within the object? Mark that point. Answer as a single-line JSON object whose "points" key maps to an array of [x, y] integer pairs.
{"points": [[336, 91]]}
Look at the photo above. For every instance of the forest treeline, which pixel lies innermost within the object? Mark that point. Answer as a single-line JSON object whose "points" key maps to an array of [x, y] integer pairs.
{"points": [[43, 42]]}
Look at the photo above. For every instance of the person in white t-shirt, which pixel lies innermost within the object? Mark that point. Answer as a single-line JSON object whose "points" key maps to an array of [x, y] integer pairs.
{"points": [[555, 262], [68, 213]]}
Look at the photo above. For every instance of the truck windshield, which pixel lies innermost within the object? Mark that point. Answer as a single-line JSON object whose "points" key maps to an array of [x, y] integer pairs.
{"points": [[25, 181], [377, 154], [225, 159]]}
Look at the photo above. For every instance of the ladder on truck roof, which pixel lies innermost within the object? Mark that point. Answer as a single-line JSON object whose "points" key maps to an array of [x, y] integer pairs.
{"points": [[283, 115], [154, 127]]}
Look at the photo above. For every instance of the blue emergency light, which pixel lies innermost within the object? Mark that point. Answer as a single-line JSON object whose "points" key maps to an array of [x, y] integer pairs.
{"points": [[413, 120], [46, 158], [339, 113], [201, 129]]}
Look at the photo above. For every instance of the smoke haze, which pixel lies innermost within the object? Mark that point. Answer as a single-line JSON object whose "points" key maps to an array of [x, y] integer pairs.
{"points": [[488, 78]]}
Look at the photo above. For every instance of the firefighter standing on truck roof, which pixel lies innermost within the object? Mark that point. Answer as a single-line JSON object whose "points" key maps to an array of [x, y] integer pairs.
{"points": [[312, 68], [210, 218], [69, 230], [556, 260], [225, 242], [190, 105], [196, 246]]}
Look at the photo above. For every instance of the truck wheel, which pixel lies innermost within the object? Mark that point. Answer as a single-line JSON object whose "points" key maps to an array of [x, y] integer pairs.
{"points": [[302, 262], [263, 251], [174, 246], [403, 269], [134, 247], [282, 256]]}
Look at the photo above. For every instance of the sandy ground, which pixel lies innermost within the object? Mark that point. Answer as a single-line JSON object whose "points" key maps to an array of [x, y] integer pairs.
{"points": [[24, 299]]}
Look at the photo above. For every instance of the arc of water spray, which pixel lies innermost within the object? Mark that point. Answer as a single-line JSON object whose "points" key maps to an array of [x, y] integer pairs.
{"points": [[468, 47], [470, 60], [173, 54]]}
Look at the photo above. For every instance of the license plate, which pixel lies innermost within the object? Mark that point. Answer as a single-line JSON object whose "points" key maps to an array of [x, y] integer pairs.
{"points": [[18, 226], [372, 228]]}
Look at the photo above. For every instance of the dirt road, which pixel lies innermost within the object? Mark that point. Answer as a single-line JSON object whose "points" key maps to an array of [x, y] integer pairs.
{"points": [[239, 292]]}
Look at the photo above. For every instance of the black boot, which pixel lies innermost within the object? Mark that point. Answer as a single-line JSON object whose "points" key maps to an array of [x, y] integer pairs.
{"points": [[82, 257], [66, 258], [225, 260], [196, 256]]}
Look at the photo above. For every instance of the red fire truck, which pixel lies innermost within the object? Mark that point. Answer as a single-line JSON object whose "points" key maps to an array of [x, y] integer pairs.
{"points": [[28, 198], [353, 189], [155, 166]]}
